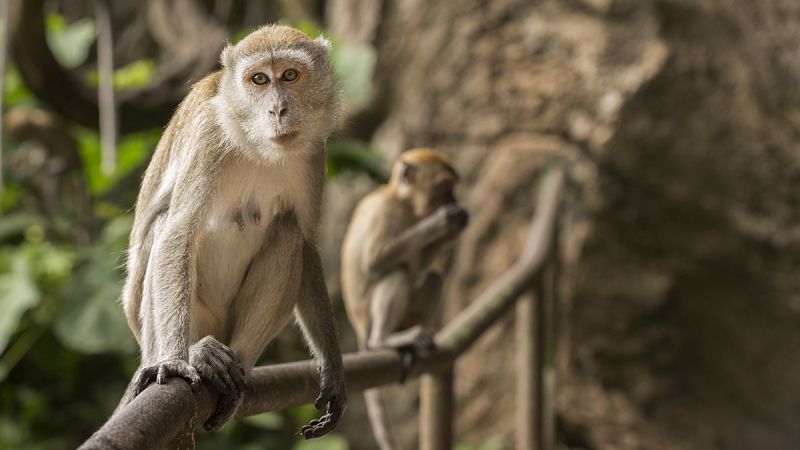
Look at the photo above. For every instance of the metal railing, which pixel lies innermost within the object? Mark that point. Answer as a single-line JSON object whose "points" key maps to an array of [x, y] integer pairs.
{"points": [[165, 416]]}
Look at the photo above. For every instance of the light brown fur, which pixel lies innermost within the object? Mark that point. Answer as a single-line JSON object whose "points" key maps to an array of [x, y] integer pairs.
{"points": [[223, 244], [394, 255]]}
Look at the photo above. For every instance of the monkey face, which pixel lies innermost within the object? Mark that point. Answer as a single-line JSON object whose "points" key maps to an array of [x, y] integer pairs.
{"points": [[426, 178], [274, 88], [279, 92]]}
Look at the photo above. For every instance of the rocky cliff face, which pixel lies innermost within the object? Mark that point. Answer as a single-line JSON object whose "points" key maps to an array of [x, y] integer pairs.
{"points": [[680, 122]]}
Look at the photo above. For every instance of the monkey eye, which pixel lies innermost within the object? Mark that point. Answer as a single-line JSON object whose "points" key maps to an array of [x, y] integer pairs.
{"points": [[290, 75], [259, 78]]}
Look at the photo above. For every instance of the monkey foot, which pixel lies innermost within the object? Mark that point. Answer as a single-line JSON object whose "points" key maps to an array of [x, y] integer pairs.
{"points": [[163, 370], [222, 370], [412, 343], [336, 403]]}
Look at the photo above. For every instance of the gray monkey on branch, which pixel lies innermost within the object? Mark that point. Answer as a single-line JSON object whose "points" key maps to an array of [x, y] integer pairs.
{"points": [[395, 252], [223, 249]]}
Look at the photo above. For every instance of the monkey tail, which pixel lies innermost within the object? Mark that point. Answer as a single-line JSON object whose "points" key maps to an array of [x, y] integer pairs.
{"points": [[377, 418]]}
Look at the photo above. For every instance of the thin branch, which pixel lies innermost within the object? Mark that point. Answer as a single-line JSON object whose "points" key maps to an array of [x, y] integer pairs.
{"points": [[4, 34], [470, 324], [105, 87], [140, 109]]}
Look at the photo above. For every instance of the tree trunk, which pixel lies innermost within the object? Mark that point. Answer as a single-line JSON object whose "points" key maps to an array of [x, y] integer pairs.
{"points": [[679, 123]]}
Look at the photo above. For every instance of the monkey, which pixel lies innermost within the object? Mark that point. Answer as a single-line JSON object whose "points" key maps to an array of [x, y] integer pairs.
{"points": [[394, 255], [223, 245]]}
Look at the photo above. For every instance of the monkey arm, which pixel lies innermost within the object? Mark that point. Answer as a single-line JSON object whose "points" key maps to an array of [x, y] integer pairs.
{"points": [[165, 324], [315, 316], [166, 320], [445, 224]]}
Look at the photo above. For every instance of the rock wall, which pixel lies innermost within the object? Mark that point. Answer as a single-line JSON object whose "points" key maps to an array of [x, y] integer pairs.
{"points": [[680, 123]]}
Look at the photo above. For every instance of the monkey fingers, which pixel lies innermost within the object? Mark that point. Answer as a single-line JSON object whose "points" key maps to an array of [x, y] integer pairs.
{"points": [[223, 371], [319, 427], [163, 370], [226, 406]]}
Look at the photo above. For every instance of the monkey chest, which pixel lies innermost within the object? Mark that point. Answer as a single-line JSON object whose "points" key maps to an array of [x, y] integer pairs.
{"points": [[236, 233]]}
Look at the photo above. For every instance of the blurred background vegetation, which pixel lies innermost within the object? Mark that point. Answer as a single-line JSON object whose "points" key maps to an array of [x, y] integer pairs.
{"points": [[679, 121], [66, 349]]}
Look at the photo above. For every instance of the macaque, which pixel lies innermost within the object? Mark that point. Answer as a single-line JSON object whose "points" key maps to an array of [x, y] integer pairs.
{"points": [[223, 249], [394, 256]]}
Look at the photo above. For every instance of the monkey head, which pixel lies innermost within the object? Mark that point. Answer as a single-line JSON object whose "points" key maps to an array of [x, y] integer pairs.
{"points": [[425, 178], [277, 93]]}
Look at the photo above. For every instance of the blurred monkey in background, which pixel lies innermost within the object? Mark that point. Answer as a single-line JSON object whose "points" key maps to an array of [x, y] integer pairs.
{"points": [[395, 252]]}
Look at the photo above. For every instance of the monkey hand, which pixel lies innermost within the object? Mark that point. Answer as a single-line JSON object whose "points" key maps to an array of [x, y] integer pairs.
{"points": [[452, 218], [163, 370], [333, 396], [223, 371]]}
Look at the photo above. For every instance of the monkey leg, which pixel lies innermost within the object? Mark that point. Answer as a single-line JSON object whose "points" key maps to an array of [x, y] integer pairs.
{"points": [[221, 369], [265, 301], [388, 306], [418, 340], [261, 309], [315, 317], [376, 413]]}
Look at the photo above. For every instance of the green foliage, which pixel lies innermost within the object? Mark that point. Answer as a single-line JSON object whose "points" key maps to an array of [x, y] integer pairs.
{"points": [[70, 43], [28, 273], [91, 319], [347, 154], [135, 75], [267, 421], [353, 65], [493, 443], [15, 92], [327, 442], [65, 349], [18, 293], [133, 150]]}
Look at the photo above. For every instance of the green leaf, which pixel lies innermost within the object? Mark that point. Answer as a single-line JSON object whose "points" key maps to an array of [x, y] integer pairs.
{"points": [[354, 66], [16, 223], [497, 442], [69, 42], [91, 318], [132, 150], [302, 414], [18, 293], [266, 421], [134, 75], [93, 322], [327, 442], [346, 154], [15, 91]]}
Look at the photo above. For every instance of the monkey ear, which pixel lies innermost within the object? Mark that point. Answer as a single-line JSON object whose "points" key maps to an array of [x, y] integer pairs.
{"points": [[408, 172], [227, 54], [324, 43]]}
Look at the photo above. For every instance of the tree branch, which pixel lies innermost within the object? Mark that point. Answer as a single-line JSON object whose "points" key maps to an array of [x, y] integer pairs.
{"points": [[161, 411]]}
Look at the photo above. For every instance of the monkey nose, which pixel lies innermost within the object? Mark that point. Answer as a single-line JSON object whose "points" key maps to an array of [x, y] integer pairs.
{"points": [[278, 111]]}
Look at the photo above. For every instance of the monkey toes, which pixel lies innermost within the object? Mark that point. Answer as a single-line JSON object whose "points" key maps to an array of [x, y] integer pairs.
{"points": [[163, 370], [336, 404], [223, 371]]}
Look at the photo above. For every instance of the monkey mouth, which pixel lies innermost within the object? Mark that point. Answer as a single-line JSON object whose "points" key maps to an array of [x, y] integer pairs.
{"points": [[284, 138]]}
